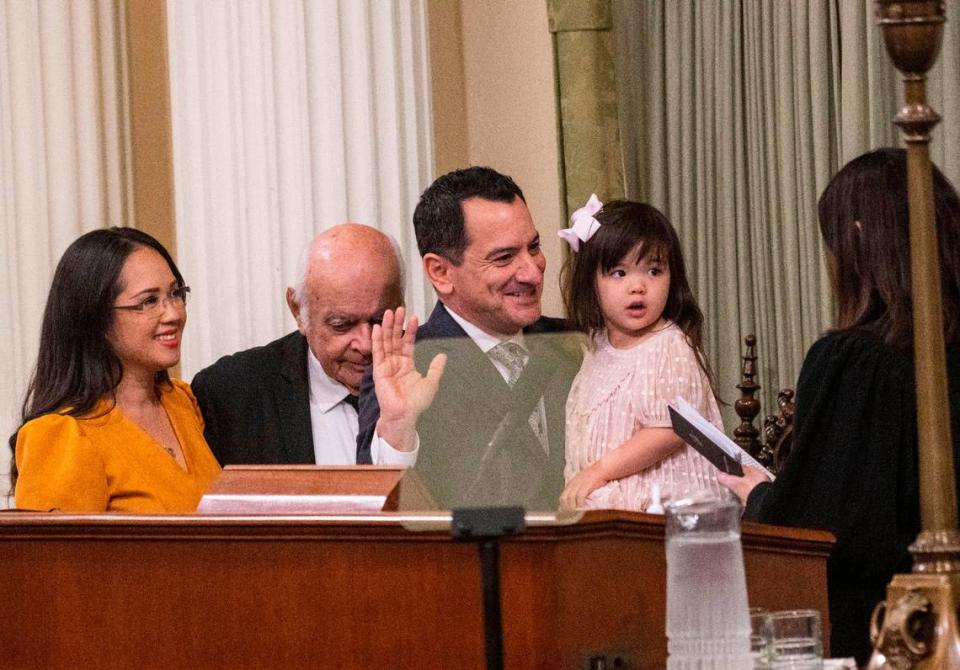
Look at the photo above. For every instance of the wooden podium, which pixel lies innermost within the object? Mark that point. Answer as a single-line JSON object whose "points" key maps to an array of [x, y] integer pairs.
{"points": [[311, 489], [389, 590]]}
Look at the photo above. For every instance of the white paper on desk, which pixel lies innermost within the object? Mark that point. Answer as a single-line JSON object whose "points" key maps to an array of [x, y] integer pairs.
{"points": [[715, 436]]}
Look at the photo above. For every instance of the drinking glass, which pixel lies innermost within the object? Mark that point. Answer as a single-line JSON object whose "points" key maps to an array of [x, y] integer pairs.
{"points": [[797, 643], [761, 637]]}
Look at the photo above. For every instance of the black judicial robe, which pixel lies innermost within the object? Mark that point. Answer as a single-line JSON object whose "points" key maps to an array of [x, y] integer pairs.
{"points": [[853, 471]]}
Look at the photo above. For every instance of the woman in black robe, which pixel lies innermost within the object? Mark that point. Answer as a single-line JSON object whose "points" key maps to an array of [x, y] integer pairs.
{"points": [[853, 469]]}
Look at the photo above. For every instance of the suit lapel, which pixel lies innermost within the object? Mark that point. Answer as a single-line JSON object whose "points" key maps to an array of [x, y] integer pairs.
{"points": [[292, 398], [535, 382], [468, 369], [479, 383]]}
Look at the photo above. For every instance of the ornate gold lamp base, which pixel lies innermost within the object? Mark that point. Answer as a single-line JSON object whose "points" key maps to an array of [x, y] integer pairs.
{"points": [[917, 626]]}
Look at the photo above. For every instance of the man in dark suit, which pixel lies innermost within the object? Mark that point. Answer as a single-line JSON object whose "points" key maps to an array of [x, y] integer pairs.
{"points": [[494, 433], [294, 400]]}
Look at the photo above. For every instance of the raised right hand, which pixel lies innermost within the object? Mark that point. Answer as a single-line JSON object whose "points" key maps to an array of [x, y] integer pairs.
{"points": [[402, 392]]}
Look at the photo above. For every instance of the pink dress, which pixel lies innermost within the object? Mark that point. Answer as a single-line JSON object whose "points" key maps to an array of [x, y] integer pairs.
{"points": [[618, 391]]}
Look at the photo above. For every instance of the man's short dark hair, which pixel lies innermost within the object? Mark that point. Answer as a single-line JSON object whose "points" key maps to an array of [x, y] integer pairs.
{"points": [[438, 219]]}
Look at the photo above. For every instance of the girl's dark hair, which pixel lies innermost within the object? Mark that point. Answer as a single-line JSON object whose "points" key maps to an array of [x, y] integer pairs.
{"points": [[865, 223], [76, 365], [624, 225]]}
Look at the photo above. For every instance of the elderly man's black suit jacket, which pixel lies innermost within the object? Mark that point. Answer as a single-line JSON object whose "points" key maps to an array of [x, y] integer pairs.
{"points": [[456, 460], [256, 404]]}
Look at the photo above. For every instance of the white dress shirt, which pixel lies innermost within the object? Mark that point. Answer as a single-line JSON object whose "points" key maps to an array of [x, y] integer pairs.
{"points": [[335, 425], [486, 342]]}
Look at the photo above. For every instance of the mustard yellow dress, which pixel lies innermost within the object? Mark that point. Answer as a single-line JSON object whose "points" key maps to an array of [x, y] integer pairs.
{"points": [[106, 462]]}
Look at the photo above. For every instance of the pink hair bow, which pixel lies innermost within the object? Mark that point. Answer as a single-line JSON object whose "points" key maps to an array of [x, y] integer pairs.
{"points": [[584, 225]]}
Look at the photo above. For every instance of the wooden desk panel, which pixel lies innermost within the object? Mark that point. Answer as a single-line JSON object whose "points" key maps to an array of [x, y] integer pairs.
{"points": [[269, 592]]}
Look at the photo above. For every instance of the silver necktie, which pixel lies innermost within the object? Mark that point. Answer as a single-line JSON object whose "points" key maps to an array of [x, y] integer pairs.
{"points": [[512, 356]]}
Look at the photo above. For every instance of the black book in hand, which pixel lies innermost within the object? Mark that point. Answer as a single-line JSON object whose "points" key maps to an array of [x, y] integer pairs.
{"points": [[725, 454]]}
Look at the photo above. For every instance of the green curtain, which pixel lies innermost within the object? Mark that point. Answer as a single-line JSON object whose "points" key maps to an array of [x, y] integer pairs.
{"points": [[733, 116], [587, 95]]}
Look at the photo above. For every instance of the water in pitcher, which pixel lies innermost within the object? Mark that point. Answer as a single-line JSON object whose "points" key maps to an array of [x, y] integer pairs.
{"points": [[708, 621]]}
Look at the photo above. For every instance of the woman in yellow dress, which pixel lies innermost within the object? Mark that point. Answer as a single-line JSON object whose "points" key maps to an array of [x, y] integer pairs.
{"points": [[104, 427]]}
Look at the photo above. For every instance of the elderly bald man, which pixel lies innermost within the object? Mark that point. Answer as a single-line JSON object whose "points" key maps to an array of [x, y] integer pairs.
{"points": [[294, 400]]}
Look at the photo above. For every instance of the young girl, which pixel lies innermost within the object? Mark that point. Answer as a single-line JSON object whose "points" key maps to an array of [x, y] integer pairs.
{"points": [[627, 288]]}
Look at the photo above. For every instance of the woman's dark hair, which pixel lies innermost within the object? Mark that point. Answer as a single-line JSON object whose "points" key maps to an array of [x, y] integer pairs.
{"points": [[623, 226], [76, 364], [864, 220]]}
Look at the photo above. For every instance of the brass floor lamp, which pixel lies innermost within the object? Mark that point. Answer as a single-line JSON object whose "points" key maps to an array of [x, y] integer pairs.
{"points": [[917, 626]]}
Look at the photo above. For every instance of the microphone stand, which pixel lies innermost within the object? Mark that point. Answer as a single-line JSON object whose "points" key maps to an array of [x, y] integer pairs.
{"points": [[485, 526]]}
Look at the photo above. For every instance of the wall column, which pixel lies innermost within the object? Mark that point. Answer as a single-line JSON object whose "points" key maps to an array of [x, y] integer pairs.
{"points": [[151, 147], [590, 133]]}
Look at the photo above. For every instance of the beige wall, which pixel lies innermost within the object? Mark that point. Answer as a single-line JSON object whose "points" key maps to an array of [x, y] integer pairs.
{"points": [[494, 104]]}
